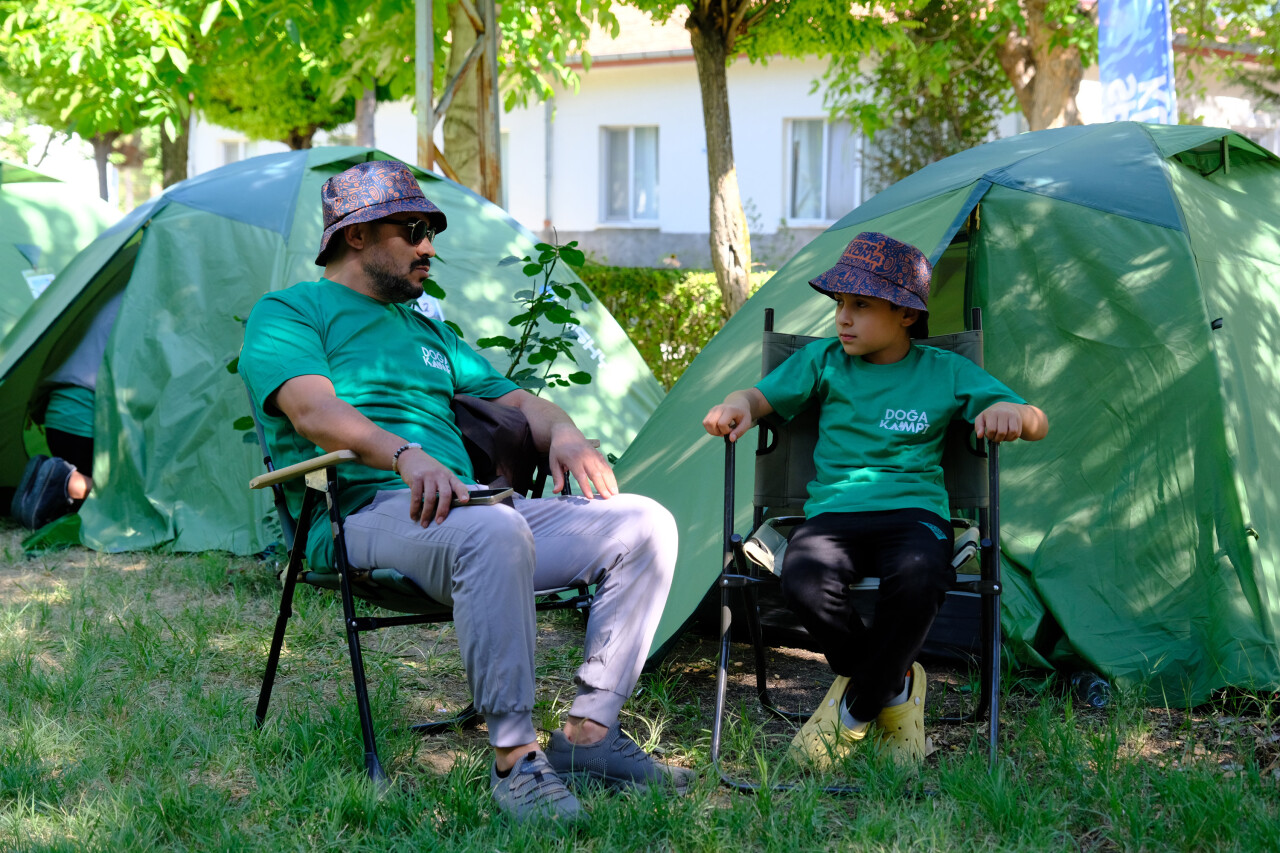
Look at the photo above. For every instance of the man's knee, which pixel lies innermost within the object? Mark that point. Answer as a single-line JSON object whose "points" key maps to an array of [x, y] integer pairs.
{"points": [[497, 530]]}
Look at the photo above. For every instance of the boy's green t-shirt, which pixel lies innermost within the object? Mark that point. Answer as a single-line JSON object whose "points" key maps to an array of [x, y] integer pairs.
{"points": [[398, 368], [880, 426]]}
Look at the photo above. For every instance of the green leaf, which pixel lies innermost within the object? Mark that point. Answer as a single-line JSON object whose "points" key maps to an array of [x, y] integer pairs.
{"points": [[233, 366], [532, 270], [291, 29], [243, 423], [432, 288], [581, 377], [561, 291], [524, 295], [559, 314], [572, 257], [457, 330], [583, 293], [519, 319], [496, 341], [210, 15], [538, 358], [509, 260], [178, 57]]}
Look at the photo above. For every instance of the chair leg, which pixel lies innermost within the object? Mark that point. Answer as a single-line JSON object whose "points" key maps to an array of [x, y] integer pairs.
{"points": [[467, 718], [992, 683], [722, 674], [371, 763], [286, 610], [277, 644]]}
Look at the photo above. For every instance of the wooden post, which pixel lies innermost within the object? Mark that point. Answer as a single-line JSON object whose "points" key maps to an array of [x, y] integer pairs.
{"points": [[487, 108], [424, 80]]}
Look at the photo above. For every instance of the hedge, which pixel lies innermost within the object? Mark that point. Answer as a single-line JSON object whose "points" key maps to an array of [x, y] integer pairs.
{"points": [[669, 314]]}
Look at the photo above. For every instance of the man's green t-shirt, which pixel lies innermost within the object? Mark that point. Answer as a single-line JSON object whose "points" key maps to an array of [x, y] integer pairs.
{"points": [[880, 426], [398, 368]]}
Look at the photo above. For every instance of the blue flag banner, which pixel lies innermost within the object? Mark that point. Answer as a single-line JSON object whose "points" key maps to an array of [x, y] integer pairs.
{"points": [[1135, 61]]}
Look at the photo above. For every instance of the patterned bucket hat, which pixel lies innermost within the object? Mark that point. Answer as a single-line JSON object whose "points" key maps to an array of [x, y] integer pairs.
{"points": [[878, 265], [370, 191]]}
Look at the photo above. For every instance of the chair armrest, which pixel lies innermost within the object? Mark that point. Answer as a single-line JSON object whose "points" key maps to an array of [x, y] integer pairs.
{"points": [[292, 472]]}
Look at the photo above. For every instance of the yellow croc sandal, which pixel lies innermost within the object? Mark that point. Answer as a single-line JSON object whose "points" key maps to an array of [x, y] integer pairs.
{"points": [[824, 739], [901, 727]]}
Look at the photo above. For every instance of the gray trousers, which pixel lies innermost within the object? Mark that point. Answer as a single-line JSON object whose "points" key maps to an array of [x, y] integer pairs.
{"points": [[487, 562]]}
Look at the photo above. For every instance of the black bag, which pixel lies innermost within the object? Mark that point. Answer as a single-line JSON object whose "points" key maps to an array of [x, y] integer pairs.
{"points": [[499, 442]]}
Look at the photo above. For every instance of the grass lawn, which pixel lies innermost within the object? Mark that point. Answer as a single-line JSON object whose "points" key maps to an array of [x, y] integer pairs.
{"points": [[128, 684]]}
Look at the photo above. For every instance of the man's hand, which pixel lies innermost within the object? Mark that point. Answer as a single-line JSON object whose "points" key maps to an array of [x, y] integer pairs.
{"points": [[432, 487], [572, 453], [1011, 421]]}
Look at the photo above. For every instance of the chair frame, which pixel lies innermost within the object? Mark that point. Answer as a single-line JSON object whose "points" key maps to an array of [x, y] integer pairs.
{"points": [[386, 588], [740, 573]]}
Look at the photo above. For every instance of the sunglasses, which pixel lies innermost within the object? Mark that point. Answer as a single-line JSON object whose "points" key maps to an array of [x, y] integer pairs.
{"points": [[418, 230]]}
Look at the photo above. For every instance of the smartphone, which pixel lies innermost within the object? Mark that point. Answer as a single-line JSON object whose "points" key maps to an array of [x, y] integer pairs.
{"points": [[485, 497]]}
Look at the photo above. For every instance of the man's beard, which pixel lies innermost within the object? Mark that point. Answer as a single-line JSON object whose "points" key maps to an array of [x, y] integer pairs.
{"points": [[390, 287]]}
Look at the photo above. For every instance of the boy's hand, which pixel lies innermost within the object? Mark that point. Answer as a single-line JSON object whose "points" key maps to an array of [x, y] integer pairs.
{"points": [[728, 419], [1000, 422]]}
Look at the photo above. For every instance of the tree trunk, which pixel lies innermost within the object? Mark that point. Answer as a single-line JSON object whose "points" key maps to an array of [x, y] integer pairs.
{"points": [[730, 240], [366, 105], [1045, 76], [102, 145], [173, 155], [461, 121], [300, 138]]}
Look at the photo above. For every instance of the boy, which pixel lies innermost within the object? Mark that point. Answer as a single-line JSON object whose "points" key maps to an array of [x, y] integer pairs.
{"points": [[877, 506]]}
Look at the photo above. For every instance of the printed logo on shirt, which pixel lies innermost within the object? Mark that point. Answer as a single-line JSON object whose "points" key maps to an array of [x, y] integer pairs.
{"points": [[905, 420], [436, 360]]}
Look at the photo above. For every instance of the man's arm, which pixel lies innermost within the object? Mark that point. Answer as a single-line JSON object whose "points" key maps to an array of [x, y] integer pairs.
{"points": [[567, 448], [312, 405]]}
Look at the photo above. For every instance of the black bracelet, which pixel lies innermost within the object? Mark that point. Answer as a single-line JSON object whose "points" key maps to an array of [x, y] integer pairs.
{"points": [[396, 458]]}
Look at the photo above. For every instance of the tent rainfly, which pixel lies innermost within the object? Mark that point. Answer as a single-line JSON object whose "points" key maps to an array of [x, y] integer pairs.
{"points": [[1129, 277], [171, 468]]}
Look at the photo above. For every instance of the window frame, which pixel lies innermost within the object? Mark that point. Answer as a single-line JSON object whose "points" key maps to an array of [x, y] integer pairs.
{"points": [[824, 189], [630, 220]]}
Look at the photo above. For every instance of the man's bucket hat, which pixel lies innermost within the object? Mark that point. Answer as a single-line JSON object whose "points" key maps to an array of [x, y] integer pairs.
{"points": [[878, 265], [370, 191]]}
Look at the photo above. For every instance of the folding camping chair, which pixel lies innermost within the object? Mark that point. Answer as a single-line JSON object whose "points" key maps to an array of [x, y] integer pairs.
{"points": [[498, 441], [784, 467]]}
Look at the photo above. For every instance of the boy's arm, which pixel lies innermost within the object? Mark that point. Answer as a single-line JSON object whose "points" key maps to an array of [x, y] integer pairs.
{"points": [[737, 414], [1010, 421]]}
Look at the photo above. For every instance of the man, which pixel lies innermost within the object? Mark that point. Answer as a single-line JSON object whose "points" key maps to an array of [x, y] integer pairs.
{"points": [[346, 363]]}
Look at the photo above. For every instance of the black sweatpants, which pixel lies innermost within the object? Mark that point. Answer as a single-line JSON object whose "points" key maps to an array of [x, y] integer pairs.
{"points": [[76, 449], [909, 550]]}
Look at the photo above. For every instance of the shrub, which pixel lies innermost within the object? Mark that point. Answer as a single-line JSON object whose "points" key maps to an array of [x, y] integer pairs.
{"points": [[669, 314]]}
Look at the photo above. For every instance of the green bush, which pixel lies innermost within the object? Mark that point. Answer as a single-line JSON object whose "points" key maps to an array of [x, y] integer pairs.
{"points": [[670, 314]]}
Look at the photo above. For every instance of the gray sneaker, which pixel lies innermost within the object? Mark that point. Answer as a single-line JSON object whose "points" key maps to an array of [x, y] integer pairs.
{"points": [[617, 761], [533, 790]]}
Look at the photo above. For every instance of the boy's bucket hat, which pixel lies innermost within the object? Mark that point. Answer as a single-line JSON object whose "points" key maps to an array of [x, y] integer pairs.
{"points": [[370, 191], [877, 265]]}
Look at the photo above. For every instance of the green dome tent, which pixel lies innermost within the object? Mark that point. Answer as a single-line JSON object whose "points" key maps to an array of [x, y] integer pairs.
{"points": [[43, 223], [1129, 277], [170, 467]]}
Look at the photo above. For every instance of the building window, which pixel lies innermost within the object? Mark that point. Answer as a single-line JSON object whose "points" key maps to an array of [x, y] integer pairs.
{"points": [[234, 150], [825, 175], [630, 179]]}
